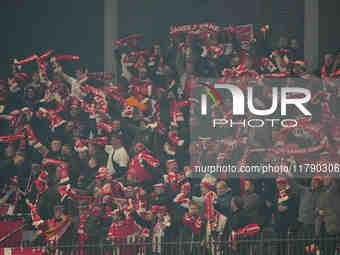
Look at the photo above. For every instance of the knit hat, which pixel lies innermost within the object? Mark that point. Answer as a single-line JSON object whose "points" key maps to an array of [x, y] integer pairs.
{"points": [[158, 209], [281, 180]]}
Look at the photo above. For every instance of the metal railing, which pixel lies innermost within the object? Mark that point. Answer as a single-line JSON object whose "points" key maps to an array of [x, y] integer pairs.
{"points": [[263, 243]]}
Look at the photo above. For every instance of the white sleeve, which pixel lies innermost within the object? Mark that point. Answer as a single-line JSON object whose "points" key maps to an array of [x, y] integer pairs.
{"points": [[75, 87], [108, 149], [123, 158]]}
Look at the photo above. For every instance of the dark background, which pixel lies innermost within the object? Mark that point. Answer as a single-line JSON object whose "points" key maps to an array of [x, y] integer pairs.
{"points": [[67, 26], [329, 25], [154, 17], [76, 26]]}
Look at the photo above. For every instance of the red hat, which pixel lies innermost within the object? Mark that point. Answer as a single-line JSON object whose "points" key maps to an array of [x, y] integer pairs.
{"points": [[207, 184], [158, 209], [172, 176], [317, 178], [281, 180]]}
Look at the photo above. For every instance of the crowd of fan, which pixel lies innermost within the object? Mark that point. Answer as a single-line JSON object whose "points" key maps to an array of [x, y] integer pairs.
{"points": [[106, 158]]}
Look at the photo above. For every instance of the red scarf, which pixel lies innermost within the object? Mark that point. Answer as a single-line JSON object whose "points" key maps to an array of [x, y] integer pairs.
{"points": [[283, 195], [195, 222], [122, 228]]}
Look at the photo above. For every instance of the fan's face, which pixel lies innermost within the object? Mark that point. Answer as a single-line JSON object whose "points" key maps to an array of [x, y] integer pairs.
{"points": [[66, 150], [159, 191], [133, 43], [281, 186], [204, 189], [74, 111], [142, 73], [235, 61], [294, 44], [30, 93], [157, 50], [116, 125], [56, 145], [131, 178], [57, 213], [315, 184], [328, 59], [283, 42], [92, 149], [248, 186], [83, 154], [129, 194], [3, 92], [185, 191], [171, 95], [79, 72], [233, 206], [189, 68], [35, 77], [115, 142], [220, 189], [92, 163], [10, 151], [172, 167], [148, 215], [193, 209], [327, 180]]}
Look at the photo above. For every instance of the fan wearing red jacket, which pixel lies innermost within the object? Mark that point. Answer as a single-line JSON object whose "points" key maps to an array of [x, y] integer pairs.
{"points": [[138, 167]]}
